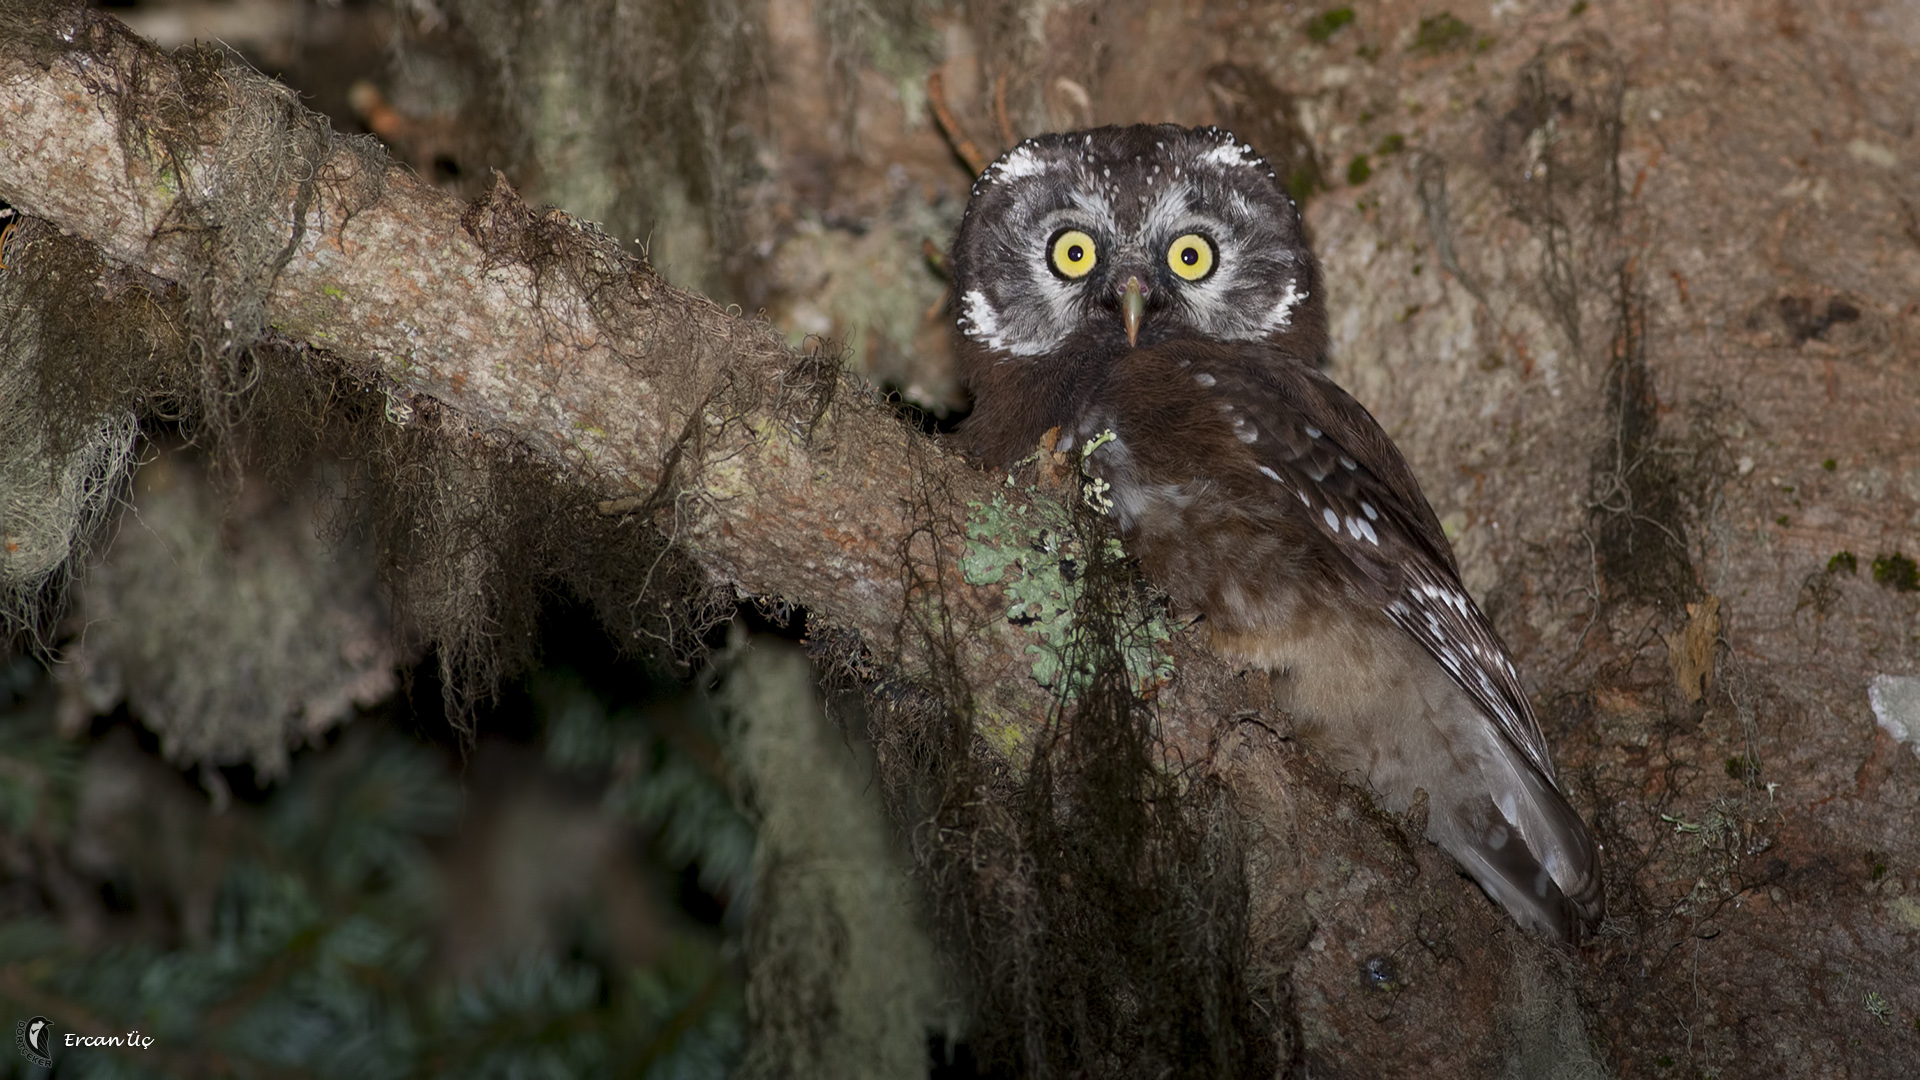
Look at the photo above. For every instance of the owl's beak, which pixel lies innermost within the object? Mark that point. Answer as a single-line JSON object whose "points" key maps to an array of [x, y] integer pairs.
{"points": [[1133, 308]]}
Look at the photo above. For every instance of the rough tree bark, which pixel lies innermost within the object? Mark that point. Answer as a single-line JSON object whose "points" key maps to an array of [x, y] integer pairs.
{"points": [[1635, 290]]}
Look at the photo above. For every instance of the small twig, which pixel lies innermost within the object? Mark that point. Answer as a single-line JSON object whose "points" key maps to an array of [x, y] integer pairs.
{"points": [[1007, 138], [1592, 592], [957, 137]]}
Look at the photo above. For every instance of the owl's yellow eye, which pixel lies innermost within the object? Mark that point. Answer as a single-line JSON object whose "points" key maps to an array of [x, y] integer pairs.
{"points": [[1073, 254], [1191, 257]]}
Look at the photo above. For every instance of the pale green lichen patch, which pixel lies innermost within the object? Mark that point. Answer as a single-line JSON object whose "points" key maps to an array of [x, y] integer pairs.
{"points": [[1906, 911], [1009, 740], [1033, 552]]}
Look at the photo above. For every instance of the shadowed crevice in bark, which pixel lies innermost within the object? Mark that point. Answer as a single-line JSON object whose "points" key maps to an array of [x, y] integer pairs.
{"points": [[1638, 508], [1557, 148]]}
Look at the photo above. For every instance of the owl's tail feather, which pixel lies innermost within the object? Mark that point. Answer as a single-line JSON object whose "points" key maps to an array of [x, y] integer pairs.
{"points": [[1529, 850]]}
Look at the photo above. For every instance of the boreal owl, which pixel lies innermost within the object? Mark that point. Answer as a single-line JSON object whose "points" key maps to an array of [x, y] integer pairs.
{"points": [[1153, 282]]}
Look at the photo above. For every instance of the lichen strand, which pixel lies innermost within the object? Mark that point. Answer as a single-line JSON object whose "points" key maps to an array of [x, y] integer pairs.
{"points": [[457, 513], [1103, 885], [72, 333]]}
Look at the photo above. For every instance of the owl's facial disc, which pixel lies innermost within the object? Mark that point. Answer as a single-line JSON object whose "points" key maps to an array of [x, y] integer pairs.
{"points": [[1135, 235]]}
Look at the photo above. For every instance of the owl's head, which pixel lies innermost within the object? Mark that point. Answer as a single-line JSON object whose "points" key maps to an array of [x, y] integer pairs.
{"points": [[1093, 241]]}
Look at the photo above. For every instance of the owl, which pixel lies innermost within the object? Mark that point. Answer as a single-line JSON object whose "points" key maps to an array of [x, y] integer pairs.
{"points": [[1149, 289]]}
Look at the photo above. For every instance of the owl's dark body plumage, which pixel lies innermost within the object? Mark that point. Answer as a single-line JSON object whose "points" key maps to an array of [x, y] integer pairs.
{"points": [[1154, 283]]}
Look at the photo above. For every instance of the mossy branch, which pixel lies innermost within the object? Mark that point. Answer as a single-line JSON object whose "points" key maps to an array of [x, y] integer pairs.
{"points": [[497, 323]]}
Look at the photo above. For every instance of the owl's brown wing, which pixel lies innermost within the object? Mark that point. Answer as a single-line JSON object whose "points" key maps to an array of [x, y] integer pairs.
{"points": [[1331, 463]]}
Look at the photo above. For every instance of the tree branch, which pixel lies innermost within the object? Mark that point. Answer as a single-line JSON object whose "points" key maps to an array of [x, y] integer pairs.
{"points": [[531, 328]]}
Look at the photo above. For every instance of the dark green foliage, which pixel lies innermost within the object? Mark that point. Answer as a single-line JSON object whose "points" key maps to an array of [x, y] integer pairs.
{"points": [[1896, 572], [1359, 170], [1328, 23], [1301, 184], [316, 957], [668, 776], [1440, 34], [1843, 562], [38, 770]]}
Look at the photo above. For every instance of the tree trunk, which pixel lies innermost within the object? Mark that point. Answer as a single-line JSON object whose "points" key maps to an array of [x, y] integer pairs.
{"points": [[1633, 287]]}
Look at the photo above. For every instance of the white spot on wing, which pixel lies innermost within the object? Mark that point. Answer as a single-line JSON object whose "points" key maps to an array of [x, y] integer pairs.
{"points": [[1271, 475], [1333, 519], [1203, 379]]}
